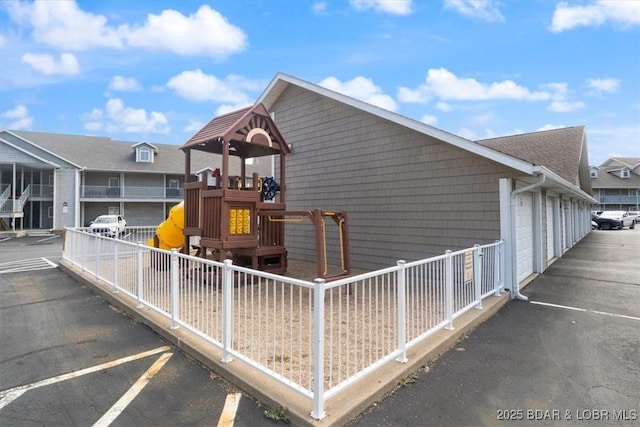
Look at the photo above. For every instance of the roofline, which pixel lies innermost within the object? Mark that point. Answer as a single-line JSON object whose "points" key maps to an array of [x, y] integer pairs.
{"points": [[456, 141], [571, 189], [28, 153], [43, 149]]}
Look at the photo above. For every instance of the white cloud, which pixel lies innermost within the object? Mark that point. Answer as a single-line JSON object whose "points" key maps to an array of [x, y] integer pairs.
{"points": [[16, 119], [194, 126], [124, 84], [47, 64], [443, 84], [62, 24], [621, 14], [550, 126], [361, 88], [429, 119], [393, 7], [319, 7], [484, 10], [116, 117], [198, 86], [564, 106], [468, 134], [205, 32], [601, 86], [443, 106]]}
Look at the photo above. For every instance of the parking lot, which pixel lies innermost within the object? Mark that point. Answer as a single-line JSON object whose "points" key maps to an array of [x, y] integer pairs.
{"points": [[569, 356], [69, 358]]}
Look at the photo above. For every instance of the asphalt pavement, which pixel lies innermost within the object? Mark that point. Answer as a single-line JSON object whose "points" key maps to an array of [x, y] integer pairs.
{"points": [[570, 356]]}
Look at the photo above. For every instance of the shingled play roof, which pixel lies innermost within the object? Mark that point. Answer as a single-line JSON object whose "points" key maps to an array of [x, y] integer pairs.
{"points": [[250, 132]]}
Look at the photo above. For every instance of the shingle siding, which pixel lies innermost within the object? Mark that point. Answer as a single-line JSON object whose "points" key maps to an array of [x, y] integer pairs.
{"points": [[407, 195]]}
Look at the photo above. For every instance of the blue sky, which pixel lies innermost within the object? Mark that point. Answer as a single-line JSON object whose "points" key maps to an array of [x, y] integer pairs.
{"points": [[157, 71]]}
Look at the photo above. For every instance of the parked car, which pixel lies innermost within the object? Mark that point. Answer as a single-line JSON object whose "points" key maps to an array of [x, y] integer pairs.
{"points": [[608, 220], [635, 215], [108, 225]]}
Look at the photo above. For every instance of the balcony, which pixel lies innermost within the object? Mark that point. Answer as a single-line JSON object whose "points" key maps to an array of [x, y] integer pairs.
{"points": [[130, 193], [617, 199]]}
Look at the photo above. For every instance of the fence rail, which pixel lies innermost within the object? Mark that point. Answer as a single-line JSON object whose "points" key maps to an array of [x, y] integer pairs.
{"points": [[318, 337]]}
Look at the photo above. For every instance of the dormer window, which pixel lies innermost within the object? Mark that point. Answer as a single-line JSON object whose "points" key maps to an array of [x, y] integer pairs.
{"points": [[144, 155], [626, 173], [145, 152], [594, 173]]}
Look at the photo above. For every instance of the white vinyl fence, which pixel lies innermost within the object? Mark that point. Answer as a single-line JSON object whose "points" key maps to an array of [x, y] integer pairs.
{"points": [[316, 337]]}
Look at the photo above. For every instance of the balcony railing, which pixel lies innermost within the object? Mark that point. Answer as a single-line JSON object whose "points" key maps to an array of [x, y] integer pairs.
{"points": [[615, 199], [106, 192]]}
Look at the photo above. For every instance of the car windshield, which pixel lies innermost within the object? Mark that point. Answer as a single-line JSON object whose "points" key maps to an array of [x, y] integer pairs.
{"points": [[612, 214], [105, 220]]}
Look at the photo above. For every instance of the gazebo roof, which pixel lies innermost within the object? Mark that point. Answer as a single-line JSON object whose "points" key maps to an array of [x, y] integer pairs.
{"points": [[250, 132]]}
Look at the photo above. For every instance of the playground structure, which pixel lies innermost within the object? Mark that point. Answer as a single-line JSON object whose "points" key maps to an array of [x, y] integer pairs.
{"points": [[239, 217]]}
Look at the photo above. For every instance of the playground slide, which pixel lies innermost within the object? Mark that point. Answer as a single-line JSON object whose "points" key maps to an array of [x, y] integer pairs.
{"points": [[170, 231]]}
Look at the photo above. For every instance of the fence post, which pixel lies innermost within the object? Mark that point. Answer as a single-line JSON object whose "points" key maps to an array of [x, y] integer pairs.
{"points": [[97, 267], [497, 272], [85, 239], [449, 289], [115, 267], [402, 311], [227, 310], [139, 276], [175, 313], [477, 275], [318, 349]]}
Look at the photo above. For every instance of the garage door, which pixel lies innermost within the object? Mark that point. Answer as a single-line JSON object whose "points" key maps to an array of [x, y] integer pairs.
{"points": [[525, 235], [550, 236]]}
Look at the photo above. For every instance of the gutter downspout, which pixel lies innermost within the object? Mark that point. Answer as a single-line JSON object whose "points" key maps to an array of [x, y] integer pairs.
{"points": [[514, 227]]}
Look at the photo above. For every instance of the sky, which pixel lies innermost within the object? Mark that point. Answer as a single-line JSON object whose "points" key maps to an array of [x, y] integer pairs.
{"points": [[157, 71]]}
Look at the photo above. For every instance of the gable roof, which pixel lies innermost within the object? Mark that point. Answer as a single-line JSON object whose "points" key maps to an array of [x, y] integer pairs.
{"points": [[249, 131], [559, 150], [607, 179], [620, 162], [578, 185], [119, 156]]}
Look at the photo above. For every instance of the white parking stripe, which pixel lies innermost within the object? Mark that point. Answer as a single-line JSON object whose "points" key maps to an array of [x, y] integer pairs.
{"points": [[8, 396], [131, 394], [228, 415], [621, 316], [26, 265]]}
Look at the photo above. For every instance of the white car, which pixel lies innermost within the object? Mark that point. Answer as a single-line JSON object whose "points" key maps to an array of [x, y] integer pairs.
{"points": [[108, 225], [622, 216]]}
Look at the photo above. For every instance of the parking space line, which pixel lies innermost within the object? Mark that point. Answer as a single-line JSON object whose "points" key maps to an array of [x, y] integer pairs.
{"points": [[621, 316], [26, 265], [136, 388], [8, 396], [228, 415]]}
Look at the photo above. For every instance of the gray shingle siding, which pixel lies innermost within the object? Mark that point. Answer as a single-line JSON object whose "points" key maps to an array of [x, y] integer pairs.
{"points": [[408, 196]]}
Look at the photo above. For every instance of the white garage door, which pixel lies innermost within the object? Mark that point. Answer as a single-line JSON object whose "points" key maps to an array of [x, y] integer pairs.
{"points": [[525, 235], [550, 236]]}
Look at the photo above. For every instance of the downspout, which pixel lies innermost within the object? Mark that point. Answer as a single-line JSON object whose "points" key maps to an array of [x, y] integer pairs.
{"points": [[514, 228]]}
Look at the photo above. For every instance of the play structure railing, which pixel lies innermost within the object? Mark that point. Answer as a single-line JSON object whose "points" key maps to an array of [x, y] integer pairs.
{"points": [[317, 338]]}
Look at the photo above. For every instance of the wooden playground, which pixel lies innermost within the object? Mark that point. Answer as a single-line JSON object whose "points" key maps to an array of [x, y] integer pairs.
{"points": [[244, 218]]}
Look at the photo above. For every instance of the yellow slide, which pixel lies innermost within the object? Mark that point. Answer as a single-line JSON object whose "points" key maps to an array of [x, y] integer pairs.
{"points": [[170, 232]]}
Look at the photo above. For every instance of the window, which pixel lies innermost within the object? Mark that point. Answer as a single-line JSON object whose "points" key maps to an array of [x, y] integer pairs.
{"points": [[50, 212], [144, 154], [114, 181], [594, 173], [626, 173], [174, 183]]}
